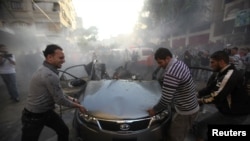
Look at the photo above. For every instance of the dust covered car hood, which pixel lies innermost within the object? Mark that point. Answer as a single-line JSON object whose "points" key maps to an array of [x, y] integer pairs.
{"points": [[120, 99]]}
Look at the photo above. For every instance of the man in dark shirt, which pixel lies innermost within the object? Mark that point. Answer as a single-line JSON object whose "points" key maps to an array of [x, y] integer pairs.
{"points": [[226, 91]]}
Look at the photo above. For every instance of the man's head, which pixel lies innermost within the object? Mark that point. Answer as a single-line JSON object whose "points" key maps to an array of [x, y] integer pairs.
{"points": [[54, 55], [234, 50], [219, 60], [163, 57]]}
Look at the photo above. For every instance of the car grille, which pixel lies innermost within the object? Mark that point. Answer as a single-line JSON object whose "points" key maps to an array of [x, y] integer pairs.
{"points": [[133, 125]]}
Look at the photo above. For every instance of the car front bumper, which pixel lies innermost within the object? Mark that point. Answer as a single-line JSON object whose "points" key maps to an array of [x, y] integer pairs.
{"points": [[92, 133]]}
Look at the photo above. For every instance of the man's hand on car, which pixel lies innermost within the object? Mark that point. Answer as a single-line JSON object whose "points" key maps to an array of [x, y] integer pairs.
{"points": [[151, 112]]}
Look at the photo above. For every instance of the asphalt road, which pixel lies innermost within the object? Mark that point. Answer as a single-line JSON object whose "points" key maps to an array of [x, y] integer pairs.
{"points": [[10, 118]]}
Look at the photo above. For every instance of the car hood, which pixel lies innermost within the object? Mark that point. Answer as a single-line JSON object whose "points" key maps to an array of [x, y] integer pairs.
{"points": [[120, 99]]}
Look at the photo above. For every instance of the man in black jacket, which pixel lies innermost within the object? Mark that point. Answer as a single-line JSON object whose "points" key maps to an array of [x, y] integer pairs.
{"points": [[225, 89]]}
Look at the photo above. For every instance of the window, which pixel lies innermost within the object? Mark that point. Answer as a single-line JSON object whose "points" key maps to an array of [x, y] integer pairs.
{"points": [[56, 7], [16, 5]]}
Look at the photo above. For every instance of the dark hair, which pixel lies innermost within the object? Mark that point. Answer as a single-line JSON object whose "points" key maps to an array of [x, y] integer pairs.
{"points": [[2, 46], [235, 48], [162, 53], [220, 55], [228, 51], [50, 49]]}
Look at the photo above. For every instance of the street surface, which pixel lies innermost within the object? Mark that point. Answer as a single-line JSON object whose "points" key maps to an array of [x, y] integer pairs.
{"points": [[10, 117]]}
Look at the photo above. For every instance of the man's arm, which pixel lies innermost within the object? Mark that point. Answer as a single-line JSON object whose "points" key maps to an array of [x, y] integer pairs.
{"points": [[168, 90], [10, 59], [209, 87], [222, 89], [53, 85], [13, 62]]}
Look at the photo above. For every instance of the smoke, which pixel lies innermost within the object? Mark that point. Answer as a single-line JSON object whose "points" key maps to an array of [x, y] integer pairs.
{"points": [[27, 44]]}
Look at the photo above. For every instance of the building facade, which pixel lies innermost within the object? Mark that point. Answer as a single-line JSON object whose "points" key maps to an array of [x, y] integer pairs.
{"points": [[228, 23], [46, 19]]}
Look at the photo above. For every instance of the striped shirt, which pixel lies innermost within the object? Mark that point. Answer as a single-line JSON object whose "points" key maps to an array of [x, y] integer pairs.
{"points": [[178, 86]]}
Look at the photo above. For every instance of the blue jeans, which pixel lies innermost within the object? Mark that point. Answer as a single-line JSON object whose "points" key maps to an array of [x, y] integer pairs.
{"points": [[33, 123], [10, 82]]}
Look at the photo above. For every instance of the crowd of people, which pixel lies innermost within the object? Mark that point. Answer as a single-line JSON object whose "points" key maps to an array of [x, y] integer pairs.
{"points": [[226, 89], [198, 62]]}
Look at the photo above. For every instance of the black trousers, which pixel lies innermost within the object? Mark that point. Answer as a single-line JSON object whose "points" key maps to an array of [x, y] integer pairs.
{"points": [[33, 123]]}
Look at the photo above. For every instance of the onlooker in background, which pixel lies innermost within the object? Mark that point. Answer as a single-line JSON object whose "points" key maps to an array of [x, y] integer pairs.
{"points": [[195, 64], [178, 90], [242, 53], [247, 70], [187, 58], [225, 90], [8, 72], [204, 63], [150, 63], [45, 91], [235, 59]]}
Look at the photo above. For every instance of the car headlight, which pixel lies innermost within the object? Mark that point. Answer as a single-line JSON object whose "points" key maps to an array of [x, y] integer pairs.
{"points": [[87, 118], [162, 115], [159, 118]]}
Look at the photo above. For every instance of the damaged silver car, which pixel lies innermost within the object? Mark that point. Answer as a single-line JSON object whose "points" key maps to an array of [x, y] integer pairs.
{"points": [[117, 108]]}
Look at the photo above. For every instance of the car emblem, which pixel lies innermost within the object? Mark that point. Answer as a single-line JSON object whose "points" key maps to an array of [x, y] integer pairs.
{"points": [[124, 127]]}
